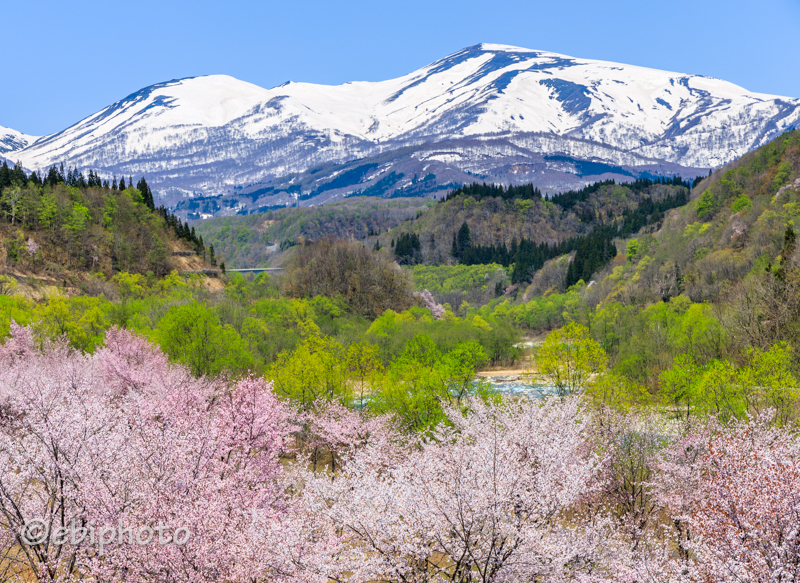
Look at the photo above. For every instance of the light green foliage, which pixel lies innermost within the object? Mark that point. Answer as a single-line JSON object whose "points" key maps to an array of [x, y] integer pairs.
{"points": [[364, 365], [657, 334], [168, 283], [420, 379], [717, 391], [78, 219], [440, 279], [569, 357], [392, 331], [741, 203], [616, 392], [109, 211], [612, 325], [782, 176], [8, 285], [541, 312], [699, 333], [791, 209], [765, 382], [692, 230], [11, 198], [130, 285], [316, 369], [707, 204], [193, 335], [14, 308], [524, 205], [677, 385], [632, 249], [460, 365], [135, 195], [82, 321], [48, 211], [768, 382]]}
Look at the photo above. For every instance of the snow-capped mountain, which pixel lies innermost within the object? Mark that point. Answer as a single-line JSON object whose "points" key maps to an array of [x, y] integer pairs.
{"points": [[485, 107], [13, 141]]}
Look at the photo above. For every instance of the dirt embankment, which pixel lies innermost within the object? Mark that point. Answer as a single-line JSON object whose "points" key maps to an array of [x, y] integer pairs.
{"points": [[40, 282], [183, 261]]}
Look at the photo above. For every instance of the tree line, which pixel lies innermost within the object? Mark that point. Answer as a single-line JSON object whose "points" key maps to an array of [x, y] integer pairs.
{"points": [[593, 250]]}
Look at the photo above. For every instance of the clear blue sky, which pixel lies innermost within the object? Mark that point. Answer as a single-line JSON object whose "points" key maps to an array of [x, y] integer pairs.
{"points": [[66, 60]]}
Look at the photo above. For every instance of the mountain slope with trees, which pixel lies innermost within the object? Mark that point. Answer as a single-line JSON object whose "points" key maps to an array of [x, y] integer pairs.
{"points": [[256, 240], [66, 223], [519, 228]]}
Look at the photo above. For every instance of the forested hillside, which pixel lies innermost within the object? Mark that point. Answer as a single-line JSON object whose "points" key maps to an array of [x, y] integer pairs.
{"points": [[718, 279], [517, 228], [67, 222], [255, 240]]}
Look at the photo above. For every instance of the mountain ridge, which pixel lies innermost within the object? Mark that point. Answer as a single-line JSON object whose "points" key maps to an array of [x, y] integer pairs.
{"points": [[210, 134]]}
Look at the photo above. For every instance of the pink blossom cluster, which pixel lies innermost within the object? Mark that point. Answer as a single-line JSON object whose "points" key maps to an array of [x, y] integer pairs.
{"points": [[430, 303], [476, 501], [123, 437], [505, 491], [32, 247], [746, 517]]}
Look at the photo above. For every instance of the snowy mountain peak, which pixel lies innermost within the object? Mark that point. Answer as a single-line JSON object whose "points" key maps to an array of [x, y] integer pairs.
{"points": [[12, 141], [211, 133]]}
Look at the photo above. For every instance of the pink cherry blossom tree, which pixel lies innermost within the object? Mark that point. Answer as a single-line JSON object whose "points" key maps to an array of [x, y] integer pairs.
{"points": [[123, 438], [428, 301], [747, 517], [479, 501], [339, 429]]}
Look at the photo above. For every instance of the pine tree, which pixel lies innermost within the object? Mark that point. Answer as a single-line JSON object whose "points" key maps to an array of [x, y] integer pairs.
{"points": [[147, 195], [5, 176], [53, 177], [464, 239], [18, 175]]}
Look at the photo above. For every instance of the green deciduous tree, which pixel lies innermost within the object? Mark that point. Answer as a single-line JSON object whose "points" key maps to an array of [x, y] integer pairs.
{"points": [[707, 204], [11, 197], [316, 369], [569, 357], [193, 335], [364, 364]]}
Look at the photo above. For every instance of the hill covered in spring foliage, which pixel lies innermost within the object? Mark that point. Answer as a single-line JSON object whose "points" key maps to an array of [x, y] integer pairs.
{"points": [[65, 225], [258, 240]]}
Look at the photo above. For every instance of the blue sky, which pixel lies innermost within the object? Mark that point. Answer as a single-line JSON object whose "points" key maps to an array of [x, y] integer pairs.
{"points": [[66, 60]]}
